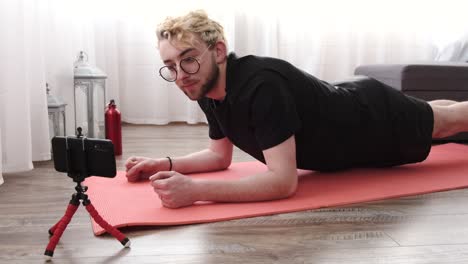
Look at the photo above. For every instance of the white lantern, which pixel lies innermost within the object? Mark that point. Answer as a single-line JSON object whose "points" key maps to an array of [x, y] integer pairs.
{"points": [[90, 98], [56, 109]]}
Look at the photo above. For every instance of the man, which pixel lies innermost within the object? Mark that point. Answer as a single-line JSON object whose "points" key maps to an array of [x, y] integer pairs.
{"points": [[283, 117]]}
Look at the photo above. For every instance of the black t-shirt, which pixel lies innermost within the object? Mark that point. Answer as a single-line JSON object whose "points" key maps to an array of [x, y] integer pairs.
{"points": [[268, 100]]}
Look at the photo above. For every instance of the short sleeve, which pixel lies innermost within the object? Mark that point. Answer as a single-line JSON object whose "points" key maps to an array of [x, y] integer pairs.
{"points": [[214, 129], [273, 114]]}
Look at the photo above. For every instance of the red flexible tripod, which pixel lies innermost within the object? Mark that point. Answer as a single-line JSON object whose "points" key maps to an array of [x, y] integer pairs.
{"points": [[57, 230], [73, 155]]}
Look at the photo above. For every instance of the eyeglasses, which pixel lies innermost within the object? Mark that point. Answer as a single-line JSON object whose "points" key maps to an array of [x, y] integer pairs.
{"points": [[189, 65]]}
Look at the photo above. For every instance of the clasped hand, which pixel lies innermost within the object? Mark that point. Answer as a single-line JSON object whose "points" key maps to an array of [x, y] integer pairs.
{"points": [[174, 189]]}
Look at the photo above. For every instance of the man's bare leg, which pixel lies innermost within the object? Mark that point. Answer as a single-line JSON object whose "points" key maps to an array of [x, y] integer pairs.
{"points": [[449, 119], [442, 102]]}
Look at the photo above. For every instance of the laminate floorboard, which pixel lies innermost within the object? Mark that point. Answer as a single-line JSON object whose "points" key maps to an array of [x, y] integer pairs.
{"points": [[431, 228]]}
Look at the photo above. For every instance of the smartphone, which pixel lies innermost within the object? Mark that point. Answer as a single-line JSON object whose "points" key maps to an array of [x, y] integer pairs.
{"points": [[96, 156]]}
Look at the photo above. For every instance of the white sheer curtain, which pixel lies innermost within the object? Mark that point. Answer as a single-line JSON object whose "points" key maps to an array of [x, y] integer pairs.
{"points": [[41, 38], [23, 106]]}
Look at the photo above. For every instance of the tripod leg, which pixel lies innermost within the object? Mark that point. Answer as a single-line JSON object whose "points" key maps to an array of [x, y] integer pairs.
{"points": [[57, 229], [71, 209], [103, 223]]}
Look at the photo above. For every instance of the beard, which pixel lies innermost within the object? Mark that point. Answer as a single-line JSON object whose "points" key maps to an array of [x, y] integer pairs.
{"points": [[209, 85]]}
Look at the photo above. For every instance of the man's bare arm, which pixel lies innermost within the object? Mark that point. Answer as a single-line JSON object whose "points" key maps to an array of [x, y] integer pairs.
{"points": [[278, 181], [217, 156]]}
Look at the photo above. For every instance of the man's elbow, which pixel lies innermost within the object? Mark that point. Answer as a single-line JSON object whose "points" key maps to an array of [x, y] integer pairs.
{"points": [[287, 188], [224, 162], [291, 191]]}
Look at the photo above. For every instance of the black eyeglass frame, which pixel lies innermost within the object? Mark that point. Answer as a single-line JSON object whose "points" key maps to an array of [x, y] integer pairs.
{"points": [[174, 69]]}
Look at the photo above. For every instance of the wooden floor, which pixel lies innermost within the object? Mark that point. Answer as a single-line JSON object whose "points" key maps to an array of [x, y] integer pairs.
{"points": [[429, 228]]}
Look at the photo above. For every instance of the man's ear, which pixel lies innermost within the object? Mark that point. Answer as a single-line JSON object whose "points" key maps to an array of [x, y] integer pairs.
{"points": [[221, 52]]}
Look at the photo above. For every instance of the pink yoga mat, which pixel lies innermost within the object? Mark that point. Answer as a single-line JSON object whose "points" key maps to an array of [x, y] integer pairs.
{"points": [[135, 204]]}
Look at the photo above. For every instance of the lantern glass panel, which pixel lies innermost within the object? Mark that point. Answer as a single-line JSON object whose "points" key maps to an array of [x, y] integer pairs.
{"points": [[51, 126], [81, 108], [61, 123], [57, 121], [99, 109], [90, 107]]}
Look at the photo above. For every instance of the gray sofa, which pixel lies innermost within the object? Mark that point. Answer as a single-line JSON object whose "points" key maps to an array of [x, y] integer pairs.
{"points": [[427, 81]]}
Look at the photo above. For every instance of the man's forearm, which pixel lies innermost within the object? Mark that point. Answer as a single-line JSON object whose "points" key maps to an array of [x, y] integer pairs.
{"points": [[260, 187], [202, 161]]}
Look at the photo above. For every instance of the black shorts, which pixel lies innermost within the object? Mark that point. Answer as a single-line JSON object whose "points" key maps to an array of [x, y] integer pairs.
{"points": [[397, 128]]}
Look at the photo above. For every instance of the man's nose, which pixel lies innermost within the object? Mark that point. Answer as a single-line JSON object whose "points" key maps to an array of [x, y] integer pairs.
{"points": [[181, 74]]}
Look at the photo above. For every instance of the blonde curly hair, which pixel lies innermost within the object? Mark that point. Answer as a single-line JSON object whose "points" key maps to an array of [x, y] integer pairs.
{"points": [[183, 29]]}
